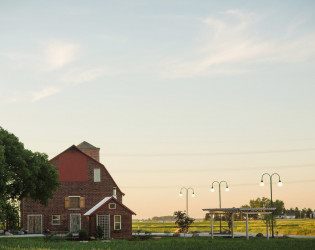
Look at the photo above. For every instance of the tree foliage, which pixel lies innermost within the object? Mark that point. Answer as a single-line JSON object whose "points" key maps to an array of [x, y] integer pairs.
{"points": [[265, 202], [24, 173], [183, 221]]}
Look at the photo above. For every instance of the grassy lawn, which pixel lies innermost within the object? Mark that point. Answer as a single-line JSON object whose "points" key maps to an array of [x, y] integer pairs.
{"points": [[161, 243], [296, 227]]}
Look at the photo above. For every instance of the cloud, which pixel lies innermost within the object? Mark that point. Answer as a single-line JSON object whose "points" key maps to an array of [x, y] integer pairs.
{"points": [[48, 91], [77, 77], [233, 44], [58, 53]]}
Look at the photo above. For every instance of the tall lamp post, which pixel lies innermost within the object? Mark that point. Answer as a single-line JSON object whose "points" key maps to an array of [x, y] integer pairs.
{"points": [[271, 203], [181, 194], [226, 189]]}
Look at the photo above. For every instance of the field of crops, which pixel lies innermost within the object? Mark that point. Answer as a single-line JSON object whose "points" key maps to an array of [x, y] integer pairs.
{"points": [[159, 243], [295, 227]]}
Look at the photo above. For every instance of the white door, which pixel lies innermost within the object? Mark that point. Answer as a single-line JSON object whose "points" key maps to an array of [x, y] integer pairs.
{"points": [[75, 223], [34, 224], [104, 222]]}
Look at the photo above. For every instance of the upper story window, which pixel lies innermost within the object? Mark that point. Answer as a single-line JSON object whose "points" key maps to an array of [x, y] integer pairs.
{"points": [[112, 205], [74, 202], [97, 175]]}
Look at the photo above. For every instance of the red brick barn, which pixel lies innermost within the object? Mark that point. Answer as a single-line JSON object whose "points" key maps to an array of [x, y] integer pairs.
{"points": [[88, 197]]}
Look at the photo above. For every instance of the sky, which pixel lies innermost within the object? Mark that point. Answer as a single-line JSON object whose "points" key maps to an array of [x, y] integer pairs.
{"points": [[174, 93]]}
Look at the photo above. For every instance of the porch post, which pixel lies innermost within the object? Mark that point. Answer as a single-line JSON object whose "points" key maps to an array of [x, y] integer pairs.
{"points": [[211, 226], [247, 237], [232, 219]]}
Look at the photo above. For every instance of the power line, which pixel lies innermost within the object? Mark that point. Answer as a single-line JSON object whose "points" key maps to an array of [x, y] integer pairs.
{"points": [[207, 186], [155, 170], [208, 154]]}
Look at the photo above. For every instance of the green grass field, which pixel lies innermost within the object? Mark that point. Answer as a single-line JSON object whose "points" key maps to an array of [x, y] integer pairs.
{"points": [[295, 227], [160, 243]]}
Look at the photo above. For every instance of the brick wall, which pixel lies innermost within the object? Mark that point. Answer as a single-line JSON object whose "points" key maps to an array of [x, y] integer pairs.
{"points": [[126, 221], [92, 191]]}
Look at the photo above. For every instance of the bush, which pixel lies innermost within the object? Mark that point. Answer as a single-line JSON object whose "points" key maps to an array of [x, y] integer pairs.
{"points": [[83, 234], [99, 232]]}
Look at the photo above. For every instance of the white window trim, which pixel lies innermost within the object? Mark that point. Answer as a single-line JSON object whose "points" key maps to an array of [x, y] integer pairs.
{"points": [[74, 196], [99, 177], [117, 222], [111, 204], [52, 219]]}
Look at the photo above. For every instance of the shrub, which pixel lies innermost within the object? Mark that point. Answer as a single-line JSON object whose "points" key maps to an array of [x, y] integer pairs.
{"points": [[83, 234], [99, 232]]}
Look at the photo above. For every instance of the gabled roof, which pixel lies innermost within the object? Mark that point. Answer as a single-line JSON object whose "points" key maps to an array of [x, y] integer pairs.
{"points": [[103, 202], [85, 145], [91, 158]]}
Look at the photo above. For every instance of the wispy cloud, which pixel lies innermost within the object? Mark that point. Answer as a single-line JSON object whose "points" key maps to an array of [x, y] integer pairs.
{"points": [[232, 44], [77, 77], [58, 53], [48, 91]]}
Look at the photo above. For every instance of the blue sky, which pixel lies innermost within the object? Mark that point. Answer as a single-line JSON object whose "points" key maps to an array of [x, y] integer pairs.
{"points": [[157, 84]]}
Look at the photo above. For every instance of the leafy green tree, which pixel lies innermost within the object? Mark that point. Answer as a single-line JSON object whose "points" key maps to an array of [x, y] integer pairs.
{"points": [[23, 174], [183, 221], [265, 202], [309, 212], [297, 212]]}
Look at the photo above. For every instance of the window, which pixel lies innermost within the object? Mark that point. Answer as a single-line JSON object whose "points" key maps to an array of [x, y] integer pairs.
{"points": [[74, 202], [112, 205], [56, 219], [97, 175], [117, 222]]}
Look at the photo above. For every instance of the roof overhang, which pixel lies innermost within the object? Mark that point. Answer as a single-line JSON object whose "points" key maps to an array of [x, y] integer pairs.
{"points": [[260, 210]]}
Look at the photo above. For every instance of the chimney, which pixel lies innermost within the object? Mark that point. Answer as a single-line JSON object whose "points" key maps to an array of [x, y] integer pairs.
{"points": [[114, 192], [90, 150]]}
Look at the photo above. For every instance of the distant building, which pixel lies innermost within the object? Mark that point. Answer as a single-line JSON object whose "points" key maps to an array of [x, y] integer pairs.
{"points": [[312, 215], [289, 216], [280, 216]]}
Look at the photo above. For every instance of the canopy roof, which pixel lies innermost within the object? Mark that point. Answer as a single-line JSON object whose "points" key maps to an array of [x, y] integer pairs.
{"points": [[248, 210]]}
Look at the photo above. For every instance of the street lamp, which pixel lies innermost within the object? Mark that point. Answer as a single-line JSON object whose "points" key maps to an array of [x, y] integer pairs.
{"points": [[271, 203], [226, 189], [181, 194]]}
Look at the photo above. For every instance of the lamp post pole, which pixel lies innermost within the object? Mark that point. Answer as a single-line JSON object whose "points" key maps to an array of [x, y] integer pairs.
{"points": [[226, 189], [271, 202], [193, 195]]}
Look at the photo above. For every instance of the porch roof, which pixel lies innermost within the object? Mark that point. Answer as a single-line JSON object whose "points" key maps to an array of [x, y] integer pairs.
{"points": [[103, 202]]}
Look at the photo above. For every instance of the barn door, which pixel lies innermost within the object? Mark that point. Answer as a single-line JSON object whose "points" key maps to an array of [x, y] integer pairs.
{"points": [[34, 224], [103, 222], [75, 223]]}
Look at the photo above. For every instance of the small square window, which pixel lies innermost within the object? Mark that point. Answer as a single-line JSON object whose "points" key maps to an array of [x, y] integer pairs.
{"points": [[112, 205], [56, 219]]}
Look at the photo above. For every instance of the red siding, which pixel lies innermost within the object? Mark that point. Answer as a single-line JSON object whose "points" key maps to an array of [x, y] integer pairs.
{"points": [[72, 167]]}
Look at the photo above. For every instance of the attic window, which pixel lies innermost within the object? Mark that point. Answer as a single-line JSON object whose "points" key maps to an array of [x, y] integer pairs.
{"points": [[112, 205], [97, 175]]}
